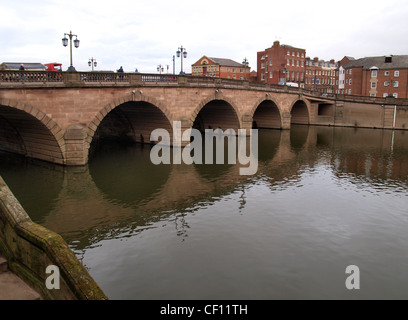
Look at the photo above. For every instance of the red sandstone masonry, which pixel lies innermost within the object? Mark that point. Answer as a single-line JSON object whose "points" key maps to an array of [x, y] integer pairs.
{"points": [[59, 108]]}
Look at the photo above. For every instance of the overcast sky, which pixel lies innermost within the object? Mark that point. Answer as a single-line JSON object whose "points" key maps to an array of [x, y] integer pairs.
{"points": [[143, 34]]}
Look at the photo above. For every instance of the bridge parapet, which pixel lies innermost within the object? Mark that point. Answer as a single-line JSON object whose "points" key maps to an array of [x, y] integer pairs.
{"points": [[49, 79], [36, 77]]}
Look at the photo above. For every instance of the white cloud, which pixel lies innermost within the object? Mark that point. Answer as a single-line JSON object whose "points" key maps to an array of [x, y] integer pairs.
{"points": [[143, 34]]}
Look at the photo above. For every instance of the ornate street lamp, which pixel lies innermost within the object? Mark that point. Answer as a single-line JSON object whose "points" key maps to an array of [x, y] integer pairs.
{"points": [[245, 62], [160, 68], [65, 43], [284, 71], [181, 52], [92, 63]]}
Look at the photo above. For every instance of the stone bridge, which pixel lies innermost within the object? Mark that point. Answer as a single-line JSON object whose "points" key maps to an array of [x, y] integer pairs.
{"points": [[59, 116]]}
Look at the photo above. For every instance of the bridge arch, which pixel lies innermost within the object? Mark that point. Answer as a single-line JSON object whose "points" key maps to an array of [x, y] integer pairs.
{"points": [[266, 113], [216, 111], [26, 130], [132, 117], [300, 112]]}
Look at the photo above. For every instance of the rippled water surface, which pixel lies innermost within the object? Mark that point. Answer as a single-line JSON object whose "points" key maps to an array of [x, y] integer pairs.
{"points": [[322, 199]]}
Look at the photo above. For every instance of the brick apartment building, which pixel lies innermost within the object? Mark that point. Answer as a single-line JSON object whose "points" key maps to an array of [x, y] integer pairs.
{"points": [[373, 76], [320, 75], [281, 63], [220, 68]]}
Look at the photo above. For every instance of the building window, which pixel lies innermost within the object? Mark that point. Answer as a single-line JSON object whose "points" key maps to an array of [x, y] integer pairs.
{"points": [[262, 65], [270, 75], [386, 83], [373, 85], [297, 63], [270, 62], [372, 94], [373, 73], [293, 62], [349, 91], [386, 73], [351, 71], [349, 81], [396, 84], [288, 53], [385, 95], [396, 73], [395, 95], [288, 62]]}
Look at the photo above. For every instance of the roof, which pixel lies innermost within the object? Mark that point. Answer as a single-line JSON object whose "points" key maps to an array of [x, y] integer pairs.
{"points": [[27, 66], [398, 62], [226, 62], [289, 46]]}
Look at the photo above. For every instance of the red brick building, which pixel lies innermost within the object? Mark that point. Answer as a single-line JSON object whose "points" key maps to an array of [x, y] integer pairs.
{"points": [[373, 76], [220, 68], [281, 63], [320, 75]]}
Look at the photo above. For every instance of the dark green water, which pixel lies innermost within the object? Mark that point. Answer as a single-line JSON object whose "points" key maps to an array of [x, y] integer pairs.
{"points": [[322, 199]]}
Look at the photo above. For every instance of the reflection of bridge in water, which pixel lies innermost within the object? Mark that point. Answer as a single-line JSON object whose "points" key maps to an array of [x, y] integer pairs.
{"points": [[91, 203]]}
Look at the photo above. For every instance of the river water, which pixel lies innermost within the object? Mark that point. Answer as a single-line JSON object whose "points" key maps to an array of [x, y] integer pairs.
{"points": [[323, 199]]}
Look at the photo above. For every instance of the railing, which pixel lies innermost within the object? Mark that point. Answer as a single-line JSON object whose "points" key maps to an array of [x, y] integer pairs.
{"points": [[11, 78], [159, 78], [31, 76], [195, 79], [103, 77]]}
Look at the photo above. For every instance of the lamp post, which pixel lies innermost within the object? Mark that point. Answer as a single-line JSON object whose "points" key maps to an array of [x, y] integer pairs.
{"points": [[245, 63], [92, 63], [285, 71], [181, 52], [160, 68], [65, 43]]}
